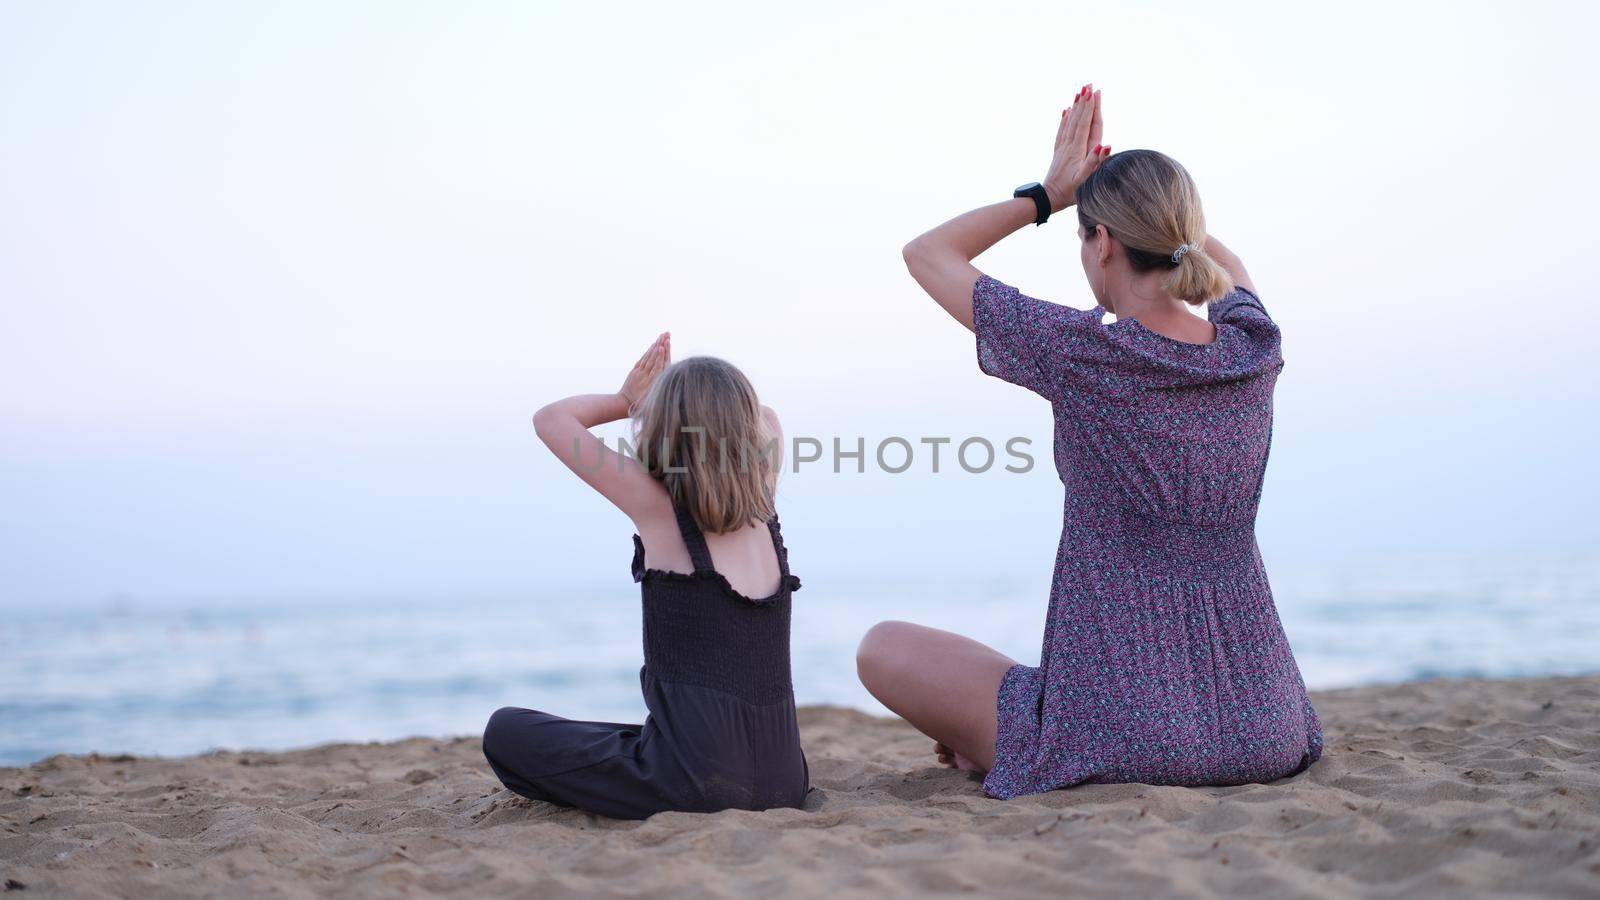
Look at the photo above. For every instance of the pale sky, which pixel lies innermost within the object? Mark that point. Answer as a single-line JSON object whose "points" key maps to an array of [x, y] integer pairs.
{"points": [[280, 286]]}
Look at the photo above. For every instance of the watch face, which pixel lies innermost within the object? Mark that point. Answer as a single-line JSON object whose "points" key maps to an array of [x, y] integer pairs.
{"points": [[1025, 188]]}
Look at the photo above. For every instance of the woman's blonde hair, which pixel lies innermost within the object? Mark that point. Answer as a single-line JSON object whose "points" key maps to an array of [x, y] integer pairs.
{"points": [[1149, 202], [701, 433]]}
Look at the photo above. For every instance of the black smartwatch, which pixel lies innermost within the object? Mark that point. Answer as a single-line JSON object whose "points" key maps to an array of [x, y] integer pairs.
{"points": [[1041, 200]]}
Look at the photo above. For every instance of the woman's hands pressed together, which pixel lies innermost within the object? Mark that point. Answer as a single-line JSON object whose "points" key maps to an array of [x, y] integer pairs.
{"points": [[940, 259], [1078, 151]]}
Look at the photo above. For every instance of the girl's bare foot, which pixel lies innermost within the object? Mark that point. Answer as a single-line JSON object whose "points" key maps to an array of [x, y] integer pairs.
{"points": [[953, 760]]}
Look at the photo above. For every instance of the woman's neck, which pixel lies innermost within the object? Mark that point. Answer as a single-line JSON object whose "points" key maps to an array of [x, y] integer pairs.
{"points": [[1142, 298]]}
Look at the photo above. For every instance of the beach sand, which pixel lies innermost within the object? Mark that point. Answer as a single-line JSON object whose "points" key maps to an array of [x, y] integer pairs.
{"points": [[1439, 788]]}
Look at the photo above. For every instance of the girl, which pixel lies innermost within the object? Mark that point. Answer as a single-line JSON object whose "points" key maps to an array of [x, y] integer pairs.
{"points": [[1164, 661], [715, 579]]}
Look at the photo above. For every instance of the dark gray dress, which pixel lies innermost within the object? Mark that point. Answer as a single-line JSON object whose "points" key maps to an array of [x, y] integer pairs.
{"points": [[721, 732]]}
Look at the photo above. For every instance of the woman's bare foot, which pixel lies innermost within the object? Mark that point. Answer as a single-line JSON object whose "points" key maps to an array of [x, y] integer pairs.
{"points": [[953, 760]]}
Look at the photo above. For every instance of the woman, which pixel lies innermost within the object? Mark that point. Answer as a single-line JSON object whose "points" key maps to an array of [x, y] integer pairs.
{"points": [[716, 588], [1164, 661]]}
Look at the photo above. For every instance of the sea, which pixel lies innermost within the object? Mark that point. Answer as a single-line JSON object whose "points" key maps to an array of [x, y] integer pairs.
{"points": [[177, 676]]}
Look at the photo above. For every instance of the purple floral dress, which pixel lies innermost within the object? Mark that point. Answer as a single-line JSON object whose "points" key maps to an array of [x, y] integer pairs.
{"points": [[1164, 661]]}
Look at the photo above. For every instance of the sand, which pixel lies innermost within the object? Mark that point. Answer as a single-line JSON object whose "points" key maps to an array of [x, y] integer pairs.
{"points": [[1439, 788]]}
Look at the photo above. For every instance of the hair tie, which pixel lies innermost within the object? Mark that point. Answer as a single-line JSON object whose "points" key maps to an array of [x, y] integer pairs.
{"points": [[1177, 255]]}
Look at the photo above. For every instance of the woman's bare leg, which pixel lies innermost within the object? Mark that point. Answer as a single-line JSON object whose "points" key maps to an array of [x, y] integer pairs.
{"points": [[944, 684]]}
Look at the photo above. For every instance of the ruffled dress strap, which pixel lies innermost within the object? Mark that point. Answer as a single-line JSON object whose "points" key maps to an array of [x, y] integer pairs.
{"points": [[790, 581], [638, 558], [694, 539]]}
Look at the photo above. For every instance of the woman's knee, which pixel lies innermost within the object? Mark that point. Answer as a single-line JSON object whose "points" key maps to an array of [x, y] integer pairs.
{"points": [[880, 651]]}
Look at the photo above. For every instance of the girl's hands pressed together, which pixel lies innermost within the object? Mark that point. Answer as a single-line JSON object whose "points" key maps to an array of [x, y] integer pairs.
{"points": [[655, 360], [1078, 151], [564, 427]]}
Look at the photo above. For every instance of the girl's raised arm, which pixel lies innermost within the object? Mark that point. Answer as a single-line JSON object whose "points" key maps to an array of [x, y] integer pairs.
{"points": [[564, 427]]}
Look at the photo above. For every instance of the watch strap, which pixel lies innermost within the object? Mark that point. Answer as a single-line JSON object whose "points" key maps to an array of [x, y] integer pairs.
{"points": [[1041, 200]]}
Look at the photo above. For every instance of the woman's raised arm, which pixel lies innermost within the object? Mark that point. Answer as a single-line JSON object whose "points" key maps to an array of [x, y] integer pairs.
{"points": [[1230, 263], [941, 259]]}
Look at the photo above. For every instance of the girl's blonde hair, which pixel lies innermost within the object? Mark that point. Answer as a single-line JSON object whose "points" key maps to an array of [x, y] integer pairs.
{"points": [[701, 433], [1149, 202]]}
